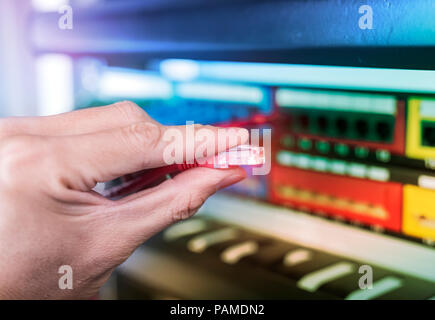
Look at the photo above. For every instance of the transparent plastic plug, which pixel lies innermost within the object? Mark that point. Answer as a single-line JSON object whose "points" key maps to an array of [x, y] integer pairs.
{"points": [[243, 155]]}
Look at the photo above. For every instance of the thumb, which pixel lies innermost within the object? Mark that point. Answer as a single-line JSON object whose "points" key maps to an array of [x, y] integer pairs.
{"points": [[148, 212]]}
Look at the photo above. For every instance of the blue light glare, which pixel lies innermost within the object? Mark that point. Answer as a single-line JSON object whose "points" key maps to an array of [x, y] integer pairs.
{"points": [[133, 84], [220, 92], [179, 69], [376, 79]]}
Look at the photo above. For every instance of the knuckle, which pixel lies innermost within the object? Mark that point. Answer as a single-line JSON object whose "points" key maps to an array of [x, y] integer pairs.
{"points": [[131, 111], [16, 155], [23, 156], [143, 134], [186, 206]]}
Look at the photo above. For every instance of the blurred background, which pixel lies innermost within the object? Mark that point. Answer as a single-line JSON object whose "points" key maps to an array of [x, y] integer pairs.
{"points": [[348, 90]]}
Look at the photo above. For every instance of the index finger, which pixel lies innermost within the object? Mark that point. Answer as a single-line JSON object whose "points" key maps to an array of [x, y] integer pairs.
{"points": [[110, 154]]}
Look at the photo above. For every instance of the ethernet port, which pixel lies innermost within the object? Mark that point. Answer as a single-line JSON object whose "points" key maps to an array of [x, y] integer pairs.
{"points": [[362, 128], [322, 124], [383, 130], [290, 121], [341, 126], [303, 122], [429, 136]]}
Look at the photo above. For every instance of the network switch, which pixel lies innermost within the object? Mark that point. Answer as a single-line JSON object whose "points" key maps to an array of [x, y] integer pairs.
{"points": [[363, 157]]}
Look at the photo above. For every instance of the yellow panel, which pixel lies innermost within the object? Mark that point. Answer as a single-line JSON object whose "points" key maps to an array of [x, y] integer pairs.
{"points": [[419, 212], [414, 148], [413, 128]]}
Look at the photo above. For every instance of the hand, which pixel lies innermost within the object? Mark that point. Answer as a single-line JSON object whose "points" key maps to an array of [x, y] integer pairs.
{"points": [[49, 214]]}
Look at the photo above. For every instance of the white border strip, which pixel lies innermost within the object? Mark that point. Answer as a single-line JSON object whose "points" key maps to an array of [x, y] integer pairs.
{"points": [[377, 79]]}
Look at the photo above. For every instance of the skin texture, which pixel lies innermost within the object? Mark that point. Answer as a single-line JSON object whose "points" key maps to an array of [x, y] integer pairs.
{"points": [[49, 215]]}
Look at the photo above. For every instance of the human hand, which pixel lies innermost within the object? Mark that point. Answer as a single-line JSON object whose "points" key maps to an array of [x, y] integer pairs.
{"points": [[49, 214]]}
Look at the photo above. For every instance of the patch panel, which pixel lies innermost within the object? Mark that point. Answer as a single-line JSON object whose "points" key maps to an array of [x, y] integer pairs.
{"points": [[177, 110], [368, 120], [419, 212], [205, 112], [366, 201], [175, 102], [420, 137], [210, 102]]}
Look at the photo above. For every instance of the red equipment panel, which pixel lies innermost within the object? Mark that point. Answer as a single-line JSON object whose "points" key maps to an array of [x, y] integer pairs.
{"points": [[370, 202]]}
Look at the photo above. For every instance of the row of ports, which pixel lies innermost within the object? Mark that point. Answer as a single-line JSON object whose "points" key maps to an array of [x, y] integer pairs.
{"points": [[418, 217], [330, 202], [380, 129], [368, 201]]}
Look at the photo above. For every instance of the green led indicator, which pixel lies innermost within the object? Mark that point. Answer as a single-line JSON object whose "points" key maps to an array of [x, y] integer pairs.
{"points": [[322, 146], [383, 155], [305, 144], [287, 141], [341, 149], [361, 152]]}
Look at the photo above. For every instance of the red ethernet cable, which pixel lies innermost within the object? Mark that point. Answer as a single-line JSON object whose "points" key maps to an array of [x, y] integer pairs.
{"points": [[243, 155]]}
